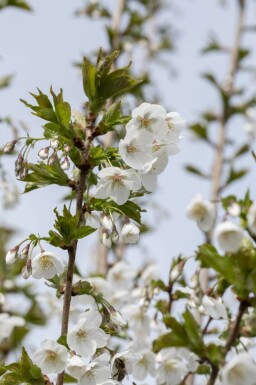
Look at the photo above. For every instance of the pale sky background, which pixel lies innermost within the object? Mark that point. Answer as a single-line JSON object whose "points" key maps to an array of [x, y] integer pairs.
{"points": [[40, 47]]}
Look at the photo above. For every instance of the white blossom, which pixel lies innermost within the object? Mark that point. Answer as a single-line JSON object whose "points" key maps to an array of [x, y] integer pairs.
{"points": [[149, 175], [139, 321], [95, 373], [174, 364], [234, 209], [46, 265], [136, 149], [76, 366], [214, 308], [116, 184], [52, 357], [87, 336], [55, 143], [229, 236], [202, 211], [251, 218], [43, 153], [8, 323], [240, 370], [149, 118], [130, 233], [176, 123], [121, 275], [145, 365]]}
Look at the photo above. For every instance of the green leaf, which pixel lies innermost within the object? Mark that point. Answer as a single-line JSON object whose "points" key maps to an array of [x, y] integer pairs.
{"points": [[89, 79], [43, 175], [82, 287], [62, 340], [242, 150], [19, 4], [200, 130], [83, 232], [234, 175], [194, 170], [113, 117], [117, 83], [169, 340], [193, 332]]}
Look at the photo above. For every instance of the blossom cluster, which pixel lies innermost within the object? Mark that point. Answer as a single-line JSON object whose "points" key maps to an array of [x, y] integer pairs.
{"points": [[229, 235], [152, 135]]}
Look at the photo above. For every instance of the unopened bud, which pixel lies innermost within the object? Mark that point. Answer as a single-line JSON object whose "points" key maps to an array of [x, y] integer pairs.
{"points": [[114, 235], [65, 164], [12, 255], [67, 147], [18, 164], [106, 222], [52, 159], [116, 317], [105, 239], [24, 251], [43, 153], [55, 143], [27, 270], [10, 146]]}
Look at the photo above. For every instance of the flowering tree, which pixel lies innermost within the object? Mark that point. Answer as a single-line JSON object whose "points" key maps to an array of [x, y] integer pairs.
{"points": [[125, 321]]}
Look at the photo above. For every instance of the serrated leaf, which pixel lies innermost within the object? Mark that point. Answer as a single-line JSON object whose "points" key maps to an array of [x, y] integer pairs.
{"points": [[82, 287], [83, 232], [43, 175], [89, 79]]}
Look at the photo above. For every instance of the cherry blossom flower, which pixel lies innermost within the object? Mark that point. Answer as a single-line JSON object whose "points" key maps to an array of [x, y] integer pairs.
{"points": [[150, 118], [145, 365], [239, 370], [174, 364], [8, 323], [149, 175], [94, 374], [121, 275], [76, 366], [116, 184], [130, 233], [46, 265], [214, 308], [229, 236], [202, 211], [87, 336], [176, 123], [136, 149], [52, 357], [138, 320]]}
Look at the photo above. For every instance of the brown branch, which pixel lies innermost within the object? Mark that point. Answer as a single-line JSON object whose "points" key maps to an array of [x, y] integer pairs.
{"points": [[73, 247], [233, 335]]}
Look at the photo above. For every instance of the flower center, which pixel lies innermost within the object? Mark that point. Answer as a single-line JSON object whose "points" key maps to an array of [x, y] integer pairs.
{"points": [[131, 149], [146, 122], [117, 179], [51, 356], [82, 334], [46, 263], [170, 124], [198, 211]]}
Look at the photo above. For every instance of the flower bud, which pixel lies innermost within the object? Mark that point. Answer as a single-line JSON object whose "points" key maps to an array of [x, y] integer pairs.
{"points": [[114, 235], [67, 147], [18, 164], [27, 270], [105, 239], [24, 251], [10, 146], [65, 164], [52, 159], [43, 153], [116, 317], [55, 143], [12, 255], [130, 233], [106, 222]]}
